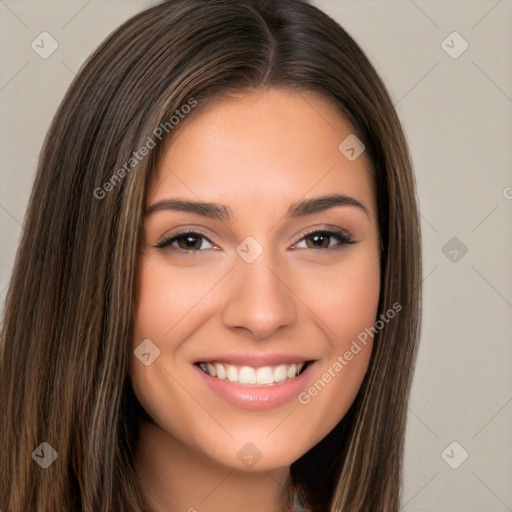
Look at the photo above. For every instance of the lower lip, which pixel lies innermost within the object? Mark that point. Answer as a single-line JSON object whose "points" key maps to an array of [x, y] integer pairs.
{"points": [[258, 398]]}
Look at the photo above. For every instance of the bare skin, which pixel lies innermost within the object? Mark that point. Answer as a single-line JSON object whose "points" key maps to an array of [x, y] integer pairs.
{"points": [[306, 295]]}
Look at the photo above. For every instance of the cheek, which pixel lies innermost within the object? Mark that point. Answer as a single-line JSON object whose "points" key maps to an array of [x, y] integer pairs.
{"points": [[346, 302], [172, 302], [353, 307], [344, 297], [164, 314], [168, 299]]}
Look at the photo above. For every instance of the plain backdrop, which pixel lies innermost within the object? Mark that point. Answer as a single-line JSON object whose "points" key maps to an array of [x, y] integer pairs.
{"points": [[448, 67]]}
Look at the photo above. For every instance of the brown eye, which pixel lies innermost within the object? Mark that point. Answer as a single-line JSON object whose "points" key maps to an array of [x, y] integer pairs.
{"points": [[189, 241], [321, 239]]}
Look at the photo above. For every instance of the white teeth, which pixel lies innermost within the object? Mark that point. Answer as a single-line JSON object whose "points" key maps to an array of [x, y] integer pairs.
{"points": [[280, 373], [211, 369], [264, 375], [292, 371], [232, 373], [248, 375], [221, 372]]}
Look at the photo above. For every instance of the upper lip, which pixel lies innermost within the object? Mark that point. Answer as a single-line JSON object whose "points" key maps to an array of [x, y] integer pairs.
{"points": [[255, 359]]}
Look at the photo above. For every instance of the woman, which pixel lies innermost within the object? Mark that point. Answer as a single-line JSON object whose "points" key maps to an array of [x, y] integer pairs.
{"points": [[215, 302]]}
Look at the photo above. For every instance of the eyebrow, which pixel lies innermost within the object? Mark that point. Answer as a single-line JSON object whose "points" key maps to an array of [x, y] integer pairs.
{"points": [[225, 213]]}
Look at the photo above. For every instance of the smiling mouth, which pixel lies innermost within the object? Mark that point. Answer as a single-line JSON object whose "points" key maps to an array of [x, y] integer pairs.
{"points": [[252, 376]]}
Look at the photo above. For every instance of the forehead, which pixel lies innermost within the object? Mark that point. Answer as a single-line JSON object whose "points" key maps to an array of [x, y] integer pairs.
{"points": [[257, 149]]}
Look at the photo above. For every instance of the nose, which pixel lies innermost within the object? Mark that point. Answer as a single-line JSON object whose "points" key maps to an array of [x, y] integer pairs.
{"points": [[260, 300]]}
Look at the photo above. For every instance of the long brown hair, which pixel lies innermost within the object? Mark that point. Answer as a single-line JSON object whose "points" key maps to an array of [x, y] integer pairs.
{"points": [[69, 309]]}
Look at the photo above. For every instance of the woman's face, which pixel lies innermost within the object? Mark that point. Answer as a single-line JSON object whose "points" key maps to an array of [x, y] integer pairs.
{"points": [[252, 294]]}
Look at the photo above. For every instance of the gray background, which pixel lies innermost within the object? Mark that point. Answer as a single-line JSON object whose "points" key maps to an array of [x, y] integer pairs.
{"points": [[457, 114]]}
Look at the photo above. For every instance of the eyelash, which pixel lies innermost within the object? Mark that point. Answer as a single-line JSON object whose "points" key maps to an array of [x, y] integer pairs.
{"points": [[342, 236]]}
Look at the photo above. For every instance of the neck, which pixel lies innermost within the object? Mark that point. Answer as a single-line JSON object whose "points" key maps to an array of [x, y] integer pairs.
{"points": [[178, 477]]}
